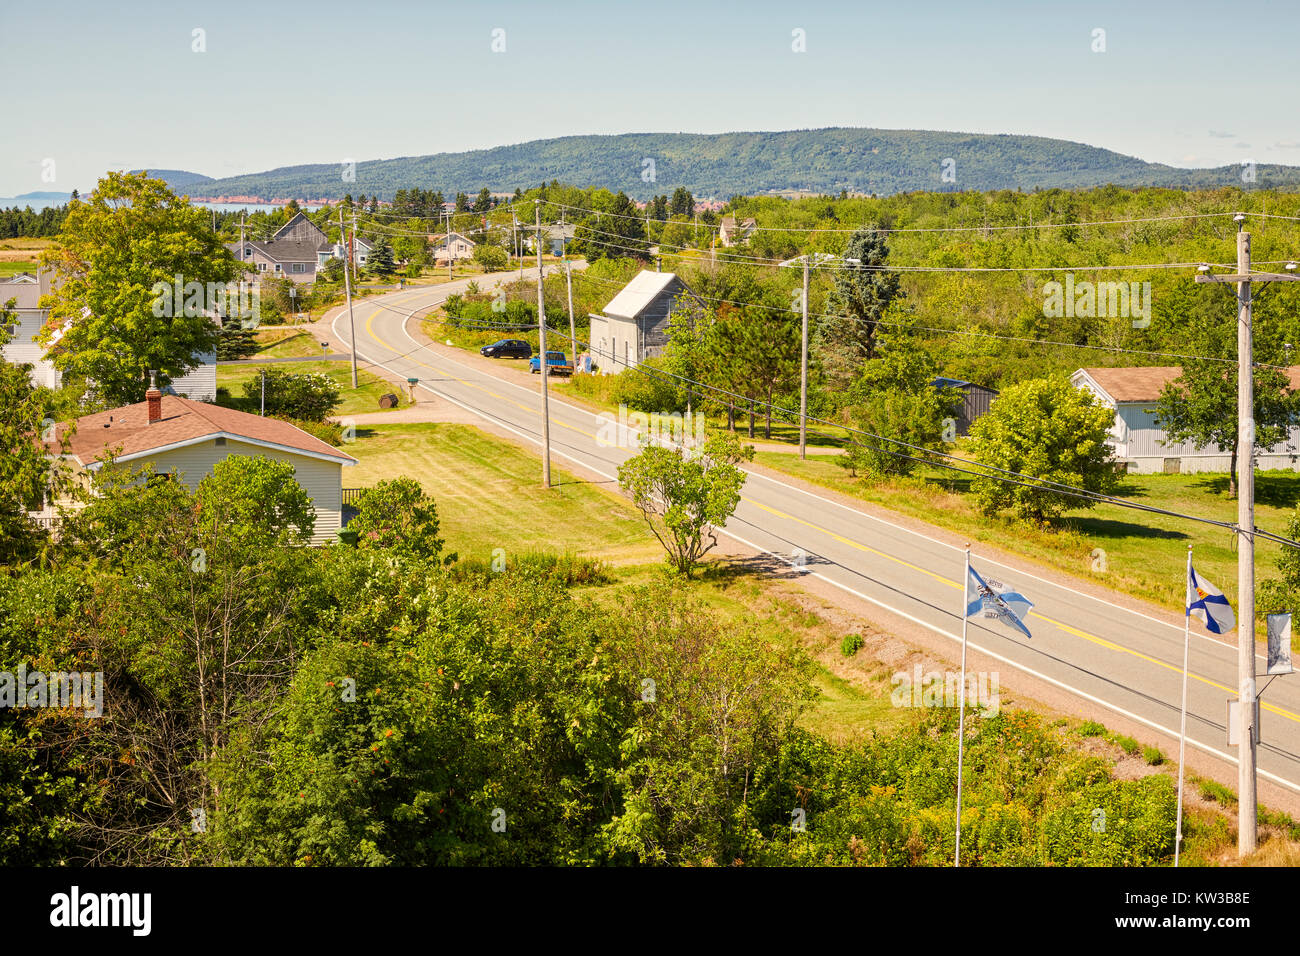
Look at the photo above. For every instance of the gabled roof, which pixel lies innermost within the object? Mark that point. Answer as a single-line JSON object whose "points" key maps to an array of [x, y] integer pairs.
{"points": [[1146, 383], [26, 292], [635, 297], [284, 250], [184, 422], [300, 228]]}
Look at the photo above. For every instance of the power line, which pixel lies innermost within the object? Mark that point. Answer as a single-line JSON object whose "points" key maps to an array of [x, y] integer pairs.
{"points": [[826, 267], [966, 332], [1034, 482], [919, 229]]}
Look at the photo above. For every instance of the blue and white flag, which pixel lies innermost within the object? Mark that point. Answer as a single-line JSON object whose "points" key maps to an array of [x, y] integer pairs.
{"points": [[1207, 602], [991, 597]]}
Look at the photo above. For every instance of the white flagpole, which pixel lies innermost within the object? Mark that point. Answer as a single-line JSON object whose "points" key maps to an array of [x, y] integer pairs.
{"points": [[961, 711], [1182, 732]]}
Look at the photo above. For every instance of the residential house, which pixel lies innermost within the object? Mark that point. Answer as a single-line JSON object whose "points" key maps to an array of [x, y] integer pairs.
{"points": [[732, 232], [462, 247], [558, 236], [1140, 442], [26, 291], [975, 401], [297, 250], [188, 438], [634, 325]]}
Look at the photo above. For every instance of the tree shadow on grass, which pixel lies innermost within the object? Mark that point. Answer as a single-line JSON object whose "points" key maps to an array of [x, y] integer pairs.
{"points": [[1111, 529], [1274, 490]]}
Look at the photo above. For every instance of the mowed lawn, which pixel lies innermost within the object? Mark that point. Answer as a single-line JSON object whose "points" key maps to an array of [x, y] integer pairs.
{"points": [[365, 398], [1136, 552], [489, 494]]}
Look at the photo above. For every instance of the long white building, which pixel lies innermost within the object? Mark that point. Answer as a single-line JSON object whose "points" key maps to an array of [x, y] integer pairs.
{"points": [[1138, 439]]}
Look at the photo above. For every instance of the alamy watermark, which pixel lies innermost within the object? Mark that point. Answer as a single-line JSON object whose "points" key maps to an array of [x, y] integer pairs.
{"points": [[663, 428], [1119, 300], [82, 691], [943, 689], [240, 300]]}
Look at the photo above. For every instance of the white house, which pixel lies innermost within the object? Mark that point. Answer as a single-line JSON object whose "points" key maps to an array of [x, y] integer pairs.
{"points": [[732, 231], [199, 384], [26, 290], [188, 438], [634, 325], [1138, 439], [462, 247]]}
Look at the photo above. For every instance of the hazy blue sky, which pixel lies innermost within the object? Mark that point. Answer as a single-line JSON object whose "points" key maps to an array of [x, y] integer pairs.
{"points": [[98, 85]]}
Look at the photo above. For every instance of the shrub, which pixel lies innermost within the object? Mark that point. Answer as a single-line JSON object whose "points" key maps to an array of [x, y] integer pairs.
{"points": [[851, 644], [397, 515], [329, 432], [1127, 744], [1153, 756], [1090, 728], [301, 395], [654, 392]]}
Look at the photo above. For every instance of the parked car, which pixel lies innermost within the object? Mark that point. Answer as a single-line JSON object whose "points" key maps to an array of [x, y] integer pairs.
{"points": [[556, 364], [507, 348]]}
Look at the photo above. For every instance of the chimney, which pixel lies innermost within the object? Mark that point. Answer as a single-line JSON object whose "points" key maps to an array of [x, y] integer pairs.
{"points": [[154, 398]]}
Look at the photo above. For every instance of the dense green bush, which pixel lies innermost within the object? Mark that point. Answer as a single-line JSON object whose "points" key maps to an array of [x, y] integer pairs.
{"points": [[300, 395]]}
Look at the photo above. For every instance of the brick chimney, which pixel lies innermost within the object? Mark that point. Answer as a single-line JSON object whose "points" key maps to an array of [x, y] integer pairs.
{"points": [[154, 398]]}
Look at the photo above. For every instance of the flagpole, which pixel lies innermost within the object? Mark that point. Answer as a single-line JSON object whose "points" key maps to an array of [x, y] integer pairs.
{"points": [[1182, 732], [961, 710]]}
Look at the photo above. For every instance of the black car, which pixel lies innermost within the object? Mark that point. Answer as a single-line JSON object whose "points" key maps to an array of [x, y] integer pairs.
{"points": [[508, 348]]}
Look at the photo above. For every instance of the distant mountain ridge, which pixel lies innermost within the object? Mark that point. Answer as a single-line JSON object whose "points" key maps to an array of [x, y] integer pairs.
{"points": [[725, 164]]}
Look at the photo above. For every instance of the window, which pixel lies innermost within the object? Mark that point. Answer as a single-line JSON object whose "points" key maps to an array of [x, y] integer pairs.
{"points": [[300, 267], [261, 267], [219, 441], [277, 267]]}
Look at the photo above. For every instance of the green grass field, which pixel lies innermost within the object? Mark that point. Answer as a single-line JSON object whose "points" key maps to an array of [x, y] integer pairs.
{"points": [[364, 399]]}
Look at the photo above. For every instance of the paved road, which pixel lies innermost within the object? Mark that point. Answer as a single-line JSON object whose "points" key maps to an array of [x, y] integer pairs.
{"points": [[1126, 660]]}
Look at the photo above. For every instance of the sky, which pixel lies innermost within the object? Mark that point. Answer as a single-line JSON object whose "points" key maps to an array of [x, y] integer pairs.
{"points": [[93, 86]]}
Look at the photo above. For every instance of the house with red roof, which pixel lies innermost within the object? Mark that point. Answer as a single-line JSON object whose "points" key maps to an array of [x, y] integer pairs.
{"points": [[1140, 442], [187, 438]]}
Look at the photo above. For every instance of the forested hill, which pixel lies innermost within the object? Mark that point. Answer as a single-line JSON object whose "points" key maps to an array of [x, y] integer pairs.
{"points": [[725, 164]]}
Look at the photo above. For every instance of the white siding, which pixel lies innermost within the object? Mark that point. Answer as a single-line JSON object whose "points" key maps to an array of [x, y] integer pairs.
{"points": [[201, 383], [22, 349], [322, 480]]}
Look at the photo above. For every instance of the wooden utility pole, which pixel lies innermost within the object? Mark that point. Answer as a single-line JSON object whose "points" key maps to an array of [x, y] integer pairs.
{"points": [[541, 334], [347, 287], [803, 369], [1247, 782], [448, 243]]}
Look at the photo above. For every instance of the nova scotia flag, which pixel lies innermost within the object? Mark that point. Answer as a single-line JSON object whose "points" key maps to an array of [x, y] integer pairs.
{"points": [[1010, 607], [1207, 602]]}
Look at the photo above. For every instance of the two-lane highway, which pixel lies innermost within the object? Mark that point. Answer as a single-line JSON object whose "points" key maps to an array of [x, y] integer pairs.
{"points": [[1124, 660]]}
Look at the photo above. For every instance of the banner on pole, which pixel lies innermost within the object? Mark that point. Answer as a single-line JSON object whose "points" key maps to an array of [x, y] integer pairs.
{"points": [[1279, 644]]}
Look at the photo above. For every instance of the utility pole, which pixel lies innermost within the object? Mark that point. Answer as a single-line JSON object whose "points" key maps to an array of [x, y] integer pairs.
{"points": [[448, 244], [1247, 782], [803, 369], [541, 334], [347, 286]]}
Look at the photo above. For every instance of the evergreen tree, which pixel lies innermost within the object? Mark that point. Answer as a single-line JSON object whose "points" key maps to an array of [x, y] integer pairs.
{"points": [[484, 201], [381, 262], [863, 290]]}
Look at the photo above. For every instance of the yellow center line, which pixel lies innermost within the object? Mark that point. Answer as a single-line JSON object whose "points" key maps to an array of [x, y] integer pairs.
{"points": [[371, 331], [1068, 629]]}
